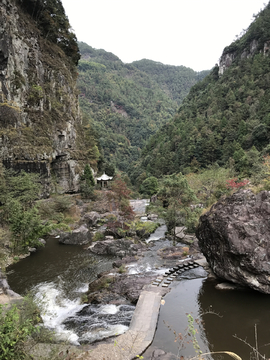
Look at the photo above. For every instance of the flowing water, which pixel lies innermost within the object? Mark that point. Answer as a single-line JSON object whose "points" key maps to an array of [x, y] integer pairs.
{"points": [[60, 274]]}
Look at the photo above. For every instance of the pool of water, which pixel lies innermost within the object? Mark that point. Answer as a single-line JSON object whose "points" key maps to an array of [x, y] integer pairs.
{"points": [[219, 316]]}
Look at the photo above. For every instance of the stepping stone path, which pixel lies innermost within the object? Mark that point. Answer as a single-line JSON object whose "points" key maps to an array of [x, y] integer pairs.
{"points": [[171, 274]]}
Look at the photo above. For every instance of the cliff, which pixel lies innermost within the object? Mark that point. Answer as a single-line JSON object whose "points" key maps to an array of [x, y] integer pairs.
{"points": [[40, 124], [254, 40]]}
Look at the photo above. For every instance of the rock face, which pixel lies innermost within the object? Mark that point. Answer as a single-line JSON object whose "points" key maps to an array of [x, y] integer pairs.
{"points": [[234, 236], [40, 122]]}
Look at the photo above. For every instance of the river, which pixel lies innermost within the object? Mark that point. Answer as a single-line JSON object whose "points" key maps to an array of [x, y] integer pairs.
{"points": [[59, 275]]}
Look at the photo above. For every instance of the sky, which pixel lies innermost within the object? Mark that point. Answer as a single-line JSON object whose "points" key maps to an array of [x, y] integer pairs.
{"points": [[192, 33]]}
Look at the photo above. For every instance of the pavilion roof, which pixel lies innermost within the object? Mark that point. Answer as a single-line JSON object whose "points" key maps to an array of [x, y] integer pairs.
{"points": [[104, 177]]}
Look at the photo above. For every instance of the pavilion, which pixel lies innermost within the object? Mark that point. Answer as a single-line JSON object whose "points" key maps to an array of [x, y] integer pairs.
{"points": [[104, 181]]}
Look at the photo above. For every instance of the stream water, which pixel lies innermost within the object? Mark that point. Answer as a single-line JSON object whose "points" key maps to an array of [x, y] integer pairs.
{"points": [[59, 275]]}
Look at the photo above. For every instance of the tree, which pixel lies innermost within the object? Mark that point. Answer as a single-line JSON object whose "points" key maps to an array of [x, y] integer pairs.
{"points": [[149, 186], [120, 195], [87, 182], [19, 191], [177, 197]]}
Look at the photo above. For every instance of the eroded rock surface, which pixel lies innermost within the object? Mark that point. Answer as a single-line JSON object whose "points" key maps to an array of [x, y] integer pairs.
{"points": [[234, 236], [40, 122]]}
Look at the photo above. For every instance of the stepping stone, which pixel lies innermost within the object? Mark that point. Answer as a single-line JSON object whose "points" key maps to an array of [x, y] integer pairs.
{"points": [[173, 276], [170, 278], [191, 262], [175, 268], [196, 265], [171, 271], [158, 280], [155, 283], [164, 285], [180, 266], [167, 272], [167, 282]]}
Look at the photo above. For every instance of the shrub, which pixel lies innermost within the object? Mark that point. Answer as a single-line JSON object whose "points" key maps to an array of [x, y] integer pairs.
{"points": [[122, 269], [16, 325], [98, 236]]}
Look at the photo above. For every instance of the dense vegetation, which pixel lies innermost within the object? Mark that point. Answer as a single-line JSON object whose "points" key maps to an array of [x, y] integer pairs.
{"points": [[223, 120], [175, 81], [127, 103]]}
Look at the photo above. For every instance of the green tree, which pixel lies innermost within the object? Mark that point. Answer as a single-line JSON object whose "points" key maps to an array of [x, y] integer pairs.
{"points": [[177, 196], [26, 225], [149, 186], [19, 191], [87, 182]]}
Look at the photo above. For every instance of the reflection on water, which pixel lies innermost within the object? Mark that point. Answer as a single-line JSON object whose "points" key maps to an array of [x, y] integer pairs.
{"points": [[220, 315], [69, 265], [238, 312]]}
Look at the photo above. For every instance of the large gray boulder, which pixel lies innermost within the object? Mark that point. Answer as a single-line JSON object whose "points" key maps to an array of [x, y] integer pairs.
{"points": [[119, 247], [79, 236], [91, 218], [234, 236]]}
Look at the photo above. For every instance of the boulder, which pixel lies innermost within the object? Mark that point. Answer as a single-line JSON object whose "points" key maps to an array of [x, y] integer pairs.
{"points": [[42, 242], [180, 232], [234, 236], [79, 236], [119, 247], [5, 289], [152, 217], [91, 218]]}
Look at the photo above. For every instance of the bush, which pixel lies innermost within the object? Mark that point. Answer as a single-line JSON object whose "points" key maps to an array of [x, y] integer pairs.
{"points": [[98, 236], [16, 325]]}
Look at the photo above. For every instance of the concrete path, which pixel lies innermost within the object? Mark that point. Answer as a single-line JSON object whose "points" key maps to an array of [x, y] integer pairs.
{"points": [[139, 336], [143, 324]]}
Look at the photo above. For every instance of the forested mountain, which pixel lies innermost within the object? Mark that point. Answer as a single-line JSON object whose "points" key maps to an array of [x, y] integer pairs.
{"points": [[174, 80], [225, 117], [127, 103]]}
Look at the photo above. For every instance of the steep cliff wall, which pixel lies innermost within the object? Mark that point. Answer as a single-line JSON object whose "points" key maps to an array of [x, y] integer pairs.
{"points": [[39, 113], [256, 39]]}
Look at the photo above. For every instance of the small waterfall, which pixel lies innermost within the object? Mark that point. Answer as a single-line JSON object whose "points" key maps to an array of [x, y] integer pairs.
{"points": [[95, 322], [55, 309], [78, 323]]}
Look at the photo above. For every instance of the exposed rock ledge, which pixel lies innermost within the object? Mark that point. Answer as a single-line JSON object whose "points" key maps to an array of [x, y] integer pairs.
{"points": [[234, 236], [7, 296]]}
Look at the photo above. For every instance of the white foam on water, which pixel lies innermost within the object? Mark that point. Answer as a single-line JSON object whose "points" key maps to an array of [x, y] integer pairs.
{"points": [[83, 288], [101, 334], [109, 309], [134, 269], [55, 308]]}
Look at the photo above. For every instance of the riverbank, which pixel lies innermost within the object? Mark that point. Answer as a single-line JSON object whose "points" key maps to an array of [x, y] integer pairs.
{"points": [[149, 257]]}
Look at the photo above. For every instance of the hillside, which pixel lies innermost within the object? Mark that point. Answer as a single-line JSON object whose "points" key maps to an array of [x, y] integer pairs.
{"points": [[175, 81], [127, 103], [225, 117]]}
